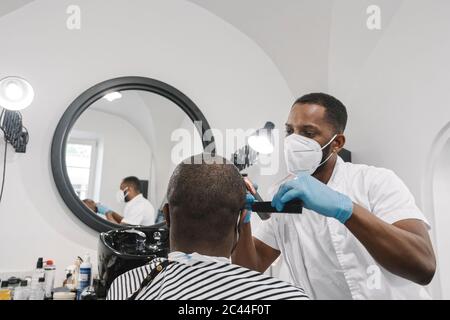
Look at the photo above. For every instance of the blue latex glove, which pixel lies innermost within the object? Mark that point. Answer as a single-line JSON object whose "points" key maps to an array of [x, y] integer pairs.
{"points": [[101, 209], [249, 199], [316, 196]]}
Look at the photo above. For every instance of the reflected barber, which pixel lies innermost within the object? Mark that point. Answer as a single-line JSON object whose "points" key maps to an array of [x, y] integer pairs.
{"points": [[138, 210], [355, 217]]}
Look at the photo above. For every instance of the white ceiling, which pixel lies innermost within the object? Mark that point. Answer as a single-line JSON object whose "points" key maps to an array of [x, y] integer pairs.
{"points": [[8, 6], [293, 33]]}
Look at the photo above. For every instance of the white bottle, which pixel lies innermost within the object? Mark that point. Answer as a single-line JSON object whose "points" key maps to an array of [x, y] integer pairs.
{"points": [[50, 270], [37, 284], [76, 274], [23, 291], [38, 292], [84, 279], [71, 280]]}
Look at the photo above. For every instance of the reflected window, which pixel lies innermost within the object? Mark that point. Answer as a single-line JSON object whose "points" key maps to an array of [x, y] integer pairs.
{"points": [[80, 161]]}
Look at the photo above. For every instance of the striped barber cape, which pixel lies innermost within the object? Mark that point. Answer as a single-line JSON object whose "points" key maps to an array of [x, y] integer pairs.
{"points": [[199, 277]]}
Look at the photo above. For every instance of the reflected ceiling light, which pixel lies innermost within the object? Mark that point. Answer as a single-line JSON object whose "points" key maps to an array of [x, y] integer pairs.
{"points": [[113, 96], [15, 93], [261, 141]]}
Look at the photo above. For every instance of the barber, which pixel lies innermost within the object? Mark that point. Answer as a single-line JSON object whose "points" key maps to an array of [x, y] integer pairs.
{"points": [[138, 210], [361, 235]]}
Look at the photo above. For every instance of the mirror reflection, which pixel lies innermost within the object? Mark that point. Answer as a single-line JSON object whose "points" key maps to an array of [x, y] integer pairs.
{"points": [[118, 155]]}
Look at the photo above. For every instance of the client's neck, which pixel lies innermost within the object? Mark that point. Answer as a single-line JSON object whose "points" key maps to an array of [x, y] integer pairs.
{"points": [[206, 249]]}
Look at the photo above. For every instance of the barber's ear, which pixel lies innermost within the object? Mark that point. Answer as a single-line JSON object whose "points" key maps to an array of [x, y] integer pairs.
{"points": [[166, 213], [338, 143]]}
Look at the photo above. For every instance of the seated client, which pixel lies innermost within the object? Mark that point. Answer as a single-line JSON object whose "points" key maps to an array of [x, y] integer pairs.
{"points": [[206, 204]]}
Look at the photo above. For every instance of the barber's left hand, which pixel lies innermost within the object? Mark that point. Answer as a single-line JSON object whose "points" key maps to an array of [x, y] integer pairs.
{"points": [[316, 196], [249, 199]]}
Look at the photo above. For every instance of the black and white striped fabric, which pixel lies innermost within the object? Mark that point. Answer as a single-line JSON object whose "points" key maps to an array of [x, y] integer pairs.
{"points": [[204, 279]]}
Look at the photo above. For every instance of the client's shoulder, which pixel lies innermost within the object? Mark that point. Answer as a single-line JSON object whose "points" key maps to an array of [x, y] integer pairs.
{"points": [[264, 287], [239, 283], [133, 279]]}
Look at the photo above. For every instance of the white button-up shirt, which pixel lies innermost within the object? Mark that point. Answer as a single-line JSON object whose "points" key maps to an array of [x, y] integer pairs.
{"points": [[324, 257], [139, 211]]}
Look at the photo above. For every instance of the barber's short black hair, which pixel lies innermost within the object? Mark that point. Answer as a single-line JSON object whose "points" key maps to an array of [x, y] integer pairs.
{"points": [[205, 195], [134, 182], [335, 110]]}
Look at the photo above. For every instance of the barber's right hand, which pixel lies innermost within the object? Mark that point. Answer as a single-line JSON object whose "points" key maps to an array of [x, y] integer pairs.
{"points": [[101, 209]]}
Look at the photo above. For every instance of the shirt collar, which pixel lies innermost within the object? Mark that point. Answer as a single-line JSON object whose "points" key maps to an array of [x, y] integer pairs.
{"points": [[139, 196], [335, 176], [193, 257]]}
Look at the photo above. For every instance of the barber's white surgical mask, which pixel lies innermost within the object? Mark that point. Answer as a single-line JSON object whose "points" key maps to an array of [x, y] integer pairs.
{"points": [[121, 195], [302, 154]]}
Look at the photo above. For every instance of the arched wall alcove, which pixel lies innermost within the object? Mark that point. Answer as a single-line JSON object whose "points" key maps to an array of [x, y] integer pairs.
{"points": [[436, 200]]}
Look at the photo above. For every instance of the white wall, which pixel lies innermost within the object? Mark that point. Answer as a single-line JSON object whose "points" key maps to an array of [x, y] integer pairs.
{"points": [[124, 153], [441, 188], [219, 68], [395, 84]]}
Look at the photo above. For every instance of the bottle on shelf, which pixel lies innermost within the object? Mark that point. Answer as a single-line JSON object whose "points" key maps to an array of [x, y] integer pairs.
{"points": [[38, 281], [38, 291], [76, 273], [5, 292], [23, 291], [49, 270], [13, 284], [84, 277], [70, 282]]}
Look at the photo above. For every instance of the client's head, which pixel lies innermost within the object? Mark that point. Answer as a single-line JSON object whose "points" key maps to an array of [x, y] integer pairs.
{"points": [[90, 204], [205, 197]]}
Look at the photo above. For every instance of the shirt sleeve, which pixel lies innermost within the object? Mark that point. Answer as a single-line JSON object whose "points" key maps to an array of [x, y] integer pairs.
{"points": [[266, 233], [391, 200]]}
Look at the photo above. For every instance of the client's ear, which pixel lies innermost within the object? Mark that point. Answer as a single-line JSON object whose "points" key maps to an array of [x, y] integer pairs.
{"points": [[166, 213]]}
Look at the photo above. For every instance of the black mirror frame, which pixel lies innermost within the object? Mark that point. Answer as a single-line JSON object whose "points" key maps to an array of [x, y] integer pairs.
{"points": [[79, 105]]}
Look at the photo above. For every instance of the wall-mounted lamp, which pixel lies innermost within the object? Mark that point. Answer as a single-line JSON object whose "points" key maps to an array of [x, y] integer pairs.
{"points": [[262, 140], [15, 94], [259, 142]]}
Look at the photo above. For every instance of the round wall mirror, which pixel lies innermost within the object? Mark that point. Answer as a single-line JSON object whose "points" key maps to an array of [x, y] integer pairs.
{"points": [[116, 147]]}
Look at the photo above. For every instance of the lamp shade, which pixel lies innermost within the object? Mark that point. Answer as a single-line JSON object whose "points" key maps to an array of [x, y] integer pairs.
{"points": [[261, 141], [15, 93]]}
